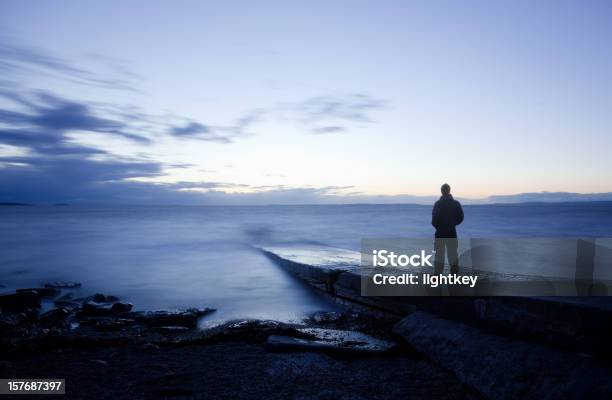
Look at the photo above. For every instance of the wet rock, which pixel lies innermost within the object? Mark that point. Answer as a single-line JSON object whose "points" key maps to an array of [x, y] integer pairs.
{"points": [[330, 340], [69, 304], [100, 298], [107, 324], [171, 329], [322, 316], [63, 285], [55, 317], [94, 309], [150, 347], [119, 308], [101, 363], [252, 331], [188, 318], [9, 321], [45, 293], [19, 302]]}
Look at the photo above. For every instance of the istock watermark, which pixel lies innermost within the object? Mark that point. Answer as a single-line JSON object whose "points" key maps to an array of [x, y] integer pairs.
{"points": [[486, 267], [386, 258]]}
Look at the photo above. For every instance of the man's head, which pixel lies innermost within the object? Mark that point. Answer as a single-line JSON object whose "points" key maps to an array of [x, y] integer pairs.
{"points": [[445, 189]]}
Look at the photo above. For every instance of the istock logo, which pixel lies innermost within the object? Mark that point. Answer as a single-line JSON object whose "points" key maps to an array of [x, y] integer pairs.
{"points": [[385, 258]]}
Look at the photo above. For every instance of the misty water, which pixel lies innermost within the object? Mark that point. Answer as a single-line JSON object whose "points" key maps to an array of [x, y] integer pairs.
{"points": [[178, 256]]}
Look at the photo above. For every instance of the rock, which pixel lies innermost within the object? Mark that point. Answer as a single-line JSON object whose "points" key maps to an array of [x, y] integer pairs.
{"points": [[102, 363], [330, 340], [188, 318], [108, 324], [251, 331], [19, 302], [45, 293], [322, 316], [67, 304], [171, 329], [152, 347], [501, 367], [56, 316], [9, 321], [99, 298], [94, 310], [119, 308], [63, 285]]}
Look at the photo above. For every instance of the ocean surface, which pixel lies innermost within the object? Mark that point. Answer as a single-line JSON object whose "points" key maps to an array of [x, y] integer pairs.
{"points": [[180, 256]]}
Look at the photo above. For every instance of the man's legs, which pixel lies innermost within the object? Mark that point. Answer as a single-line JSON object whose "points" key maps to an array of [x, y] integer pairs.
{"points": [[453, 257], [439, 258]]}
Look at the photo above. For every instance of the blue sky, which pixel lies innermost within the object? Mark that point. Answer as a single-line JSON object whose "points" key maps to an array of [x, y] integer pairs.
{"points": [[205, 102]]}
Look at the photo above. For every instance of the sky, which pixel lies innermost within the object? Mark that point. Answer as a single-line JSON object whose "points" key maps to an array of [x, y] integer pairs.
{"points": [[238, 102]]}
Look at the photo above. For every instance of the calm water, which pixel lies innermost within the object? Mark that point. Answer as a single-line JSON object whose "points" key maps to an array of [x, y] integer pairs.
{"points": [[175, 257]]}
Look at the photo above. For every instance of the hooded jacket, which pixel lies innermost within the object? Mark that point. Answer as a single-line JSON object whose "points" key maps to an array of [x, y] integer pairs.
{"points": [[447, 213]]}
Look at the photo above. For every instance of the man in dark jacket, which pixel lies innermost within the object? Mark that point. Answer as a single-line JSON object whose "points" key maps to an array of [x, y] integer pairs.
{"points": [[446, 215]]}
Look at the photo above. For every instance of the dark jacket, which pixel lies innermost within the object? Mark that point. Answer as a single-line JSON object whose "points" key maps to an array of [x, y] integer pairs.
{"points": [[447, 213]]}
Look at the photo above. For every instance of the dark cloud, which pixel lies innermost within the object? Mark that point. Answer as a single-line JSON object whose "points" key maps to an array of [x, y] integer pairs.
{"points": [[349, 108], [50, 117], [190, 129], [221, 134], [196, 130], [328, 129]]}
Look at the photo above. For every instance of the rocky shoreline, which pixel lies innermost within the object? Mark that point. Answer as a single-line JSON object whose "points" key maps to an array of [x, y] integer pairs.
{"points": [[105, 350]]}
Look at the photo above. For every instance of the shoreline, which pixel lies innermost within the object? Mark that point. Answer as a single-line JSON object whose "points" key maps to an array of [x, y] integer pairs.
{"points": [[103, 349]]}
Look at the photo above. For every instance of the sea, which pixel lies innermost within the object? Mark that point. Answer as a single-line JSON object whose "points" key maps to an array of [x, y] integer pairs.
{"points": [[175, 257]]}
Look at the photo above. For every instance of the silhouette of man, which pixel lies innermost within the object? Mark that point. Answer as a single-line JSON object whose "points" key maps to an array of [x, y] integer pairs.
{"points": [[445, 216]]}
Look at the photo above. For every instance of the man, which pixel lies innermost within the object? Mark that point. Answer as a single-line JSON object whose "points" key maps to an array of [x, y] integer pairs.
{"points": [[446, 215]]}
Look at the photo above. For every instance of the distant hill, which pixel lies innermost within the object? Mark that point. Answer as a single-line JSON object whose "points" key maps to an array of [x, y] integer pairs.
{"points": [[14, 204], [549, 197]]}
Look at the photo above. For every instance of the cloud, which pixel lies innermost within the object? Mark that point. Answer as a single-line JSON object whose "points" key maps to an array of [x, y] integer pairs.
{"points": [[221, 134], [190, 129], [20, 59], [329, 129], [51, 166], [333, 114], [44, 120]]}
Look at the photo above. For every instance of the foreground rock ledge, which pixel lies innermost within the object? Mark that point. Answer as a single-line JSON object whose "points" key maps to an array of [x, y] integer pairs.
{"points": [[504, 368]]}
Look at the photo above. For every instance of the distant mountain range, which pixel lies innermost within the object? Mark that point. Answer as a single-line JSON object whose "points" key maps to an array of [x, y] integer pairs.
{"points": [[535, 197], [547, 197]]}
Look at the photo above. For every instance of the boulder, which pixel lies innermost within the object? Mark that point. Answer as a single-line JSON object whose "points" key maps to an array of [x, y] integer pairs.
{"points": [[101, 298], [119, 308], [251, 331], [45, 293], [9, 321], [90, 309], [55, 315], [188, 318], [330, 340], [94, 309], [67, 304], [20, 302], [171, 329], [63, 285]]}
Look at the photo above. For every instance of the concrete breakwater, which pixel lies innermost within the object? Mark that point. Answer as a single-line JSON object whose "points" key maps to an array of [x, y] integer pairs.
{"points": [[545, 334]]}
